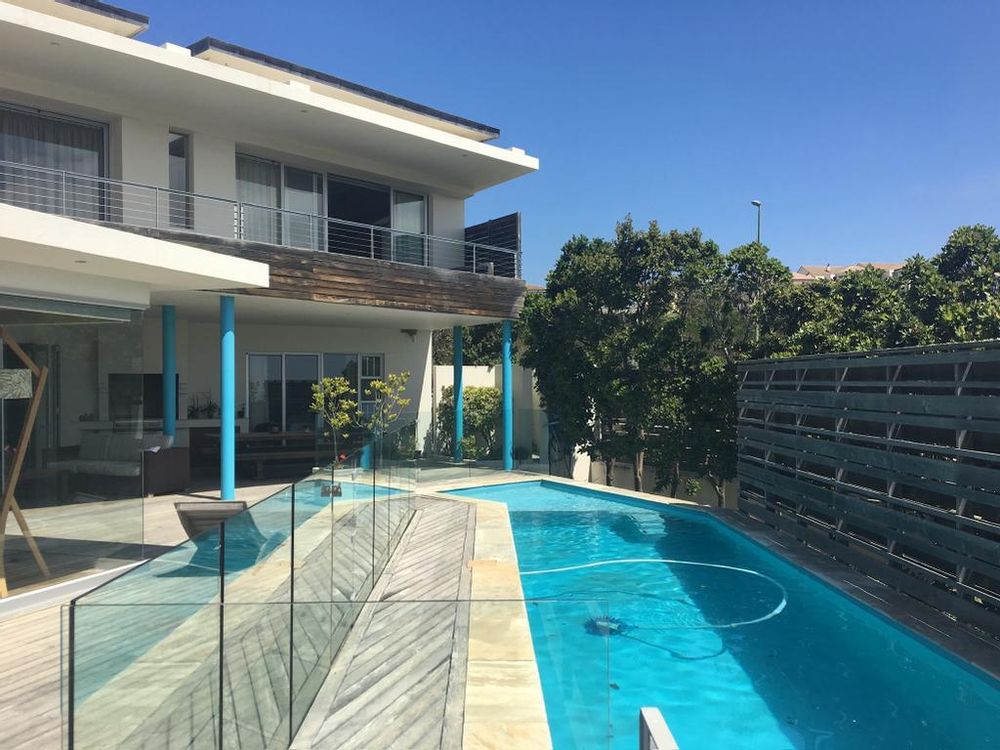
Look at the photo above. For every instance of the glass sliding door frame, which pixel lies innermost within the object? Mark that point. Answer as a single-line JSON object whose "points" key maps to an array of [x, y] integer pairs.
{"points": [[359, 380], [298, 230], [406, 247]]}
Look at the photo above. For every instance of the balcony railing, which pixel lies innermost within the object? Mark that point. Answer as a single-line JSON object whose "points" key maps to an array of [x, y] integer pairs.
{"points": [[101, 199]]}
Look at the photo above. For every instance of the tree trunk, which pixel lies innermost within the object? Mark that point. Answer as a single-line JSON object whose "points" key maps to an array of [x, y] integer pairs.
{"points": [[675, 478], [638, 467], [720, 489], [609, 472]]}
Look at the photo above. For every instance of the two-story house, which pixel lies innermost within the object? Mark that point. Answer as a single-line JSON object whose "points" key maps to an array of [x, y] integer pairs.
{"points": [[190, 238]]}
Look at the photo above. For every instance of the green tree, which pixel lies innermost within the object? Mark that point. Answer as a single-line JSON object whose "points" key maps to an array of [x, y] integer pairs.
{"points": [[970, 263], [481, 420], [480, 344], [610, 340], [335, 401]]}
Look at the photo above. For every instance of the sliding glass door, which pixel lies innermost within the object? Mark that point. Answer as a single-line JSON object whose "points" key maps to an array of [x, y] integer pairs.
{"points": [[58, 145], [303, 207], [258, 188], [409, 224], [279, 386], [355, 203]]}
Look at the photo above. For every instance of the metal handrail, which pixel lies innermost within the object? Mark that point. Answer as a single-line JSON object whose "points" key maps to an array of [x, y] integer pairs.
{"points": [[654, 734], [107, 200]]}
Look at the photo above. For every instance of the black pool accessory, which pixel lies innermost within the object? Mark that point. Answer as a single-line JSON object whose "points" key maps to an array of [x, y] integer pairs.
{"points": [[606, 625]]}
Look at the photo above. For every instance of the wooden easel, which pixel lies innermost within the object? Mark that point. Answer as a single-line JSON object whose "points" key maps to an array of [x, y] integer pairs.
{"points": [[41, 375]]}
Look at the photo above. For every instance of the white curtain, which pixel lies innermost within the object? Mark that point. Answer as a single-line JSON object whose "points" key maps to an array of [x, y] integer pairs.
{"points": [[31, 140], [258, 186]]}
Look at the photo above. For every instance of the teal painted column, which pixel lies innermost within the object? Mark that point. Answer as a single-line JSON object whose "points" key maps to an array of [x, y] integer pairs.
{"points": [[508, 397], [458, 394], [227, 398], [168, 326]]}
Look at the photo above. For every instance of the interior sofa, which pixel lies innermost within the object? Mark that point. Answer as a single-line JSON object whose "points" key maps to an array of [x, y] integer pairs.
{"points": [[124, 457]]}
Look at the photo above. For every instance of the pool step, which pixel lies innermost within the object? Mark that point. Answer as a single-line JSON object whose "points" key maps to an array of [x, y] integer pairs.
{"points": [[648, 524]]}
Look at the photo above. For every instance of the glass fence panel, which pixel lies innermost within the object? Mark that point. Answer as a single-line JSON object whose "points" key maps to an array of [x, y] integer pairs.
{"points": [[257, 665], [259, 540], [188, 574], [142, 676], [392, 673]]}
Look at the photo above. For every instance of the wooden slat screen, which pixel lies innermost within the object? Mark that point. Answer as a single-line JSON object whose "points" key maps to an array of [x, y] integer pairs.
{"points": [[504, 231], [888, 461]]}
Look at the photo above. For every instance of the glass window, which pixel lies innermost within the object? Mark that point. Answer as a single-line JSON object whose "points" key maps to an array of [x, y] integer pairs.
{"points": [[301, 374], [371, 369], [258, 187], [303, 204], [180, 206], [264, 395], [341, 366], [358, 203], [80, 451], [408, 226]]}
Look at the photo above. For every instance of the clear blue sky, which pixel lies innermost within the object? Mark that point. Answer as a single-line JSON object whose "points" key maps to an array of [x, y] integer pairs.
{"points": [[869, 128]]}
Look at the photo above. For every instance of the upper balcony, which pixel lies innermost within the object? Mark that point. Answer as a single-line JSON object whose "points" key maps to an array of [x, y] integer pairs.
{"points": [[130, 204]]}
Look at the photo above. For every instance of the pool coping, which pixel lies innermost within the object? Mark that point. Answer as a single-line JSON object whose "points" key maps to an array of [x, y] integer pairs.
{"points": [[958, 642], [503, 703]]}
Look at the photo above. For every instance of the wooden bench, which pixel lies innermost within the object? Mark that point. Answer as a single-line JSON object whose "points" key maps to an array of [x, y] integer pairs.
{"points": [[259, 458]]}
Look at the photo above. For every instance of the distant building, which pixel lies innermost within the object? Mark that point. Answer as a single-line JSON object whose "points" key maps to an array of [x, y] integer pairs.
{"points": [[806, 274]]}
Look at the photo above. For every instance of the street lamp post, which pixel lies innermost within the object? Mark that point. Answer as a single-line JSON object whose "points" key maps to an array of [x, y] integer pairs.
{"points": [[758, 205]]}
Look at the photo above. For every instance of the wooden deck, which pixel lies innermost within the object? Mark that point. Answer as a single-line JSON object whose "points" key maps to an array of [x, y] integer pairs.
{"points": [[400, 679], [30, 659], [420, 668]]}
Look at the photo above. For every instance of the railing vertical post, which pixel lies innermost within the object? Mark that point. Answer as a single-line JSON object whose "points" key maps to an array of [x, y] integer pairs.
{"points": [[371, 243], [65, 212], [156, 207], [291, 622], [71, 676], [222, 625], [475, 264]]}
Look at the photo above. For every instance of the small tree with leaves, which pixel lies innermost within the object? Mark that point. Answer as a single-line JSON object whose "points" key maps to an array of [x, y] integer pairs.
{"points": [[336, 403], [388, 403]]}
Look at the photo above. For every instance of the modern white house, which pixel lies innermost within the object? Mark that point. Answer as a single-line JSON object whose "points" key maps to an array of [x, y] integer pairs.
{"points": [[190, 238]]}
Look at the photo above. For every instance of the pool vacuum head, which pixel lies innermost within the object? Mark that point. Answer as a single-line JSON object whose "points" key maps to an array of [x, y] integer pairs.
{"points": [[606, 625]]}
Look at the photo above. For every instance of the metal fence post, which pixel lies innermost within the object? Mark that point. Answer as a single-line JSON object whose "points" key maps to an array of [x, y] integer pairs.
{"points": [[71, 676], [222, 626], [291, 625]]}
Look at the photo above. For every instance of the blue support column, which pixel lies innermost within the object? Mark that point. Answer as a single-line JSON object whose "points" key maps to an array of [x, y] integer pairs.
{"points": [[459, 396], [227, 398], [508, 398], [168, 325]]}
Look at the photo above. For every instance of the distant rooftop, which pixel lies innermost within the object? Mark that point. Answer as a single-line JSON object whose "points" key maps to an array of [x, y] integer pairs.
{"points": [[232, 55], [805, 274]]}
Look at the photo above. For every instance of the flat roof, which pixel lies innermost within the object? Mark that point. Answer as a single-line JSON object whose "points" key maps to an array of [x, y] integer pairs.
{"points": [[92, 13], [109, 10], [204, 48]]}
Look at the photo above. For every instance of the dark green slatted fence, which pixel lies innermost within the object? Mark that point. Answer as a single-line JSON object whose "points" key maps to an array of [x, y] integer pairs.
{"points": [[888, 461]]}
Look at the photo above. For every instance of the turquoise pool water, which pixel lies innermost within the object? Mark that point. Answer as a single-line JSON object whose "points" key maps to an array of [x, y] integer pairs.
{"points": [[738, 648]]}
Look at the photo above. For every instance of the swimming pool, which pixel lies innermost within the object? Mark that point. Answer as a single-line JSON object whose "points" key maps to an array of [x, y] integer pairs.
{"points": [[737, 647]]}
